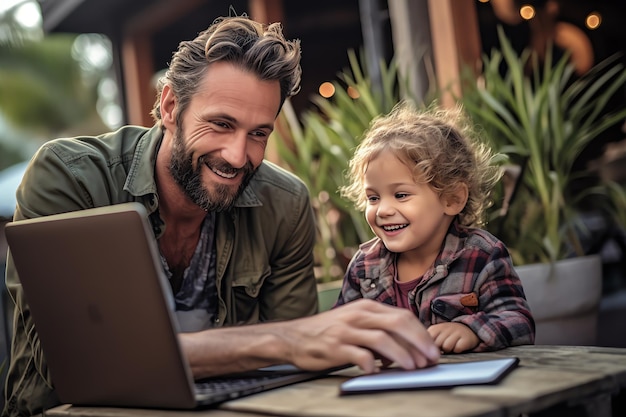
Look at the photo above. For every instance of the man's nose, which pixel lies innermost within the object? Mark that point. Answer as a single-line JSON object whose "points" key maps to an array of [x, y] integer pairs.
{"points": [[235, 152]]}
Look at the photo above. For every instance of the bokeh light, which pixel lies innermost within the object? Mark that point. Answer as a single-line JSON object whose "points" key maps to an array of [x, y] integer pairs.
{"points": [[28, 15], [593, 20], [527, 12], [327, 89], [353, 92]]}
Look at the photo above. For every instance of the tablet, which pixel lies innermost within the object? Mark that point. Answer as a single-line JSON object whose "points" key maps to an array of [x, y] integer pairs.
{"points": [[439, 376]]}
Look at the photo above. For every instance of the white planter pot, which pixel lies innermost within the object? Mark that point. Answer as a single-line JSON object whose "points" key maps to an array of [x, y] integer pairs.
{"points": [[564, 298]]}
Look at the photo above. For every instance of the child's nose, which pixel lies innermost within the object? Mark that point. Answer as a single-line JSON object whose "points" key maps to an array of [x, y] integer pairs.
{"points": [[385, 209]]}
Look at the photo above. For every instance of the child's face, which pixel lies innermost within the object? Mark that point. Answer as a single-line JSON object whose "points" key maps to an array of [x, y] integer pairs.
{"points": [[407, 216]]}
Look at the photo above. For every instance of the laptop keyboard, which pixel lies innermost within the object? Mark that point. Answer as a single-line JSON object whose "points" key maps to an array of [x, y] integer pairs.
{"points": [[218, 389], [237, 385]]}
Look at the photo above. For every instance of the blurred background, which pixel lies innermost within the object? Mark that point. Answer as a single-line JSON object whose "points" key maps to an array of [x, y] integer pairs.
{"points": [[84, 67], [87, 66]]}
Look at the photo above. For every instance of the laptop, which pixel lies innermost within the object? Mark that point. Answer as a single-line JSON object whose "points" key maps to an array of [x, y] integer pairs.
{"points": [[104, 313]]}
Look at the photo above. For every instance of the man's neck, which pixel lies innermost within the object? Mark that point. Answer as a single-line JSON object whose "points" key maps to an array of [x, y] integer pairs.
{"points": [[175, 208]]}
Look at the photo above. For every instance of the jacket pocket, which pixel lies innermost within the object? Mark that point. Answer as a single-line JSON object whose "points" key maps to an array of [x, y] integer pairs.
{"points": [[450, 306], [246, 290], [250, 284]]}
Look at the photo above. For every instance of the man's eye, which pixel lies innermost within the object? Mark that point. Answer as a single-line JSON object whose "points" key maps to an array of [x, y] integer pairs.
{"points": [[222, 125]]}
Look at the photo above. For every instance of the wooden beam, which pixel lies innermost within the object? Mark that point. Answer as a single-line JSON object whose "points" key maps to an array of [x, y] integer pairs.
{"points": [[138, 71], [266, 11], [456, 42], [467, 34], [138, 62]]}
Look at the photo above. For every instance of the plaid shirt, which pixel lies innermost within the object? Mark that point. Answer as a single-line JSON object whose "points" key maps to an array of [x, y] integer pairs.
{"points": [[472, 282]]}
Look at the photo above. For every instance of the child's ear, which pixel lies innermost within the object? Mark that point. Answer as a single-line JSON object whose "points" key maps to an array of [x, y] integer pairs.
{"points": [[455, 202]]}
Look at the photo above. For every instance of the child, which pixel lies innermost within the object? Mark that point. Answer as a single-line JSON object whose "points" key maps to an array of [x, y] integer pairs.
{"points": [[423, 182]]}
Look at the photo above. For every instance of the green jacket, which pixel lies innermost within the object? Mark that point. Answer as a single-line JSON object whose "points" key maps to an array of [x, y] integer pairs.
{"points": [[264, 244]]}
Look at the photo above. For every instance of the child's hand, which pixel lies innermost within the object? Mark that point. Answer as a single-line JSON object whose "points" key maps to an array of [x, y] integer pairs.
{"points": [[453, 337]]}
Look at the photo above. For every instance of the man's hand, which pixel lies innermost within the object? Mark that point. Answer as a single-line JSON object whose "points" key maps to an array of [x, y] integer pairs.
{"points": [[359, 333], [453, 337]]}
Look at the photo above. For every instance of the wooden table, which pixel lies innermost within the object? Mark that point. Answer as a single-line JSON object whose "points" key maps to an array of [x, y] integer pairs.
{"points": [[550, 380]]}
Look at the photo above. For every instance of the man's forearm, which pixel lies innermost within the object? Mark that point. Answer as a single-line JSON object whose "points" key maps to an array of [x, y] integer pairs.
{"points": [[235, 349]]}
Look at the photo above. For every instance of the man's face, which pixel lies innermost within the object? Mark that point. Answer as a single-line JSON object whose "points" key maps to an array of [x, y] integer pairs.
{"points": [[217, 198], [222, 140]]}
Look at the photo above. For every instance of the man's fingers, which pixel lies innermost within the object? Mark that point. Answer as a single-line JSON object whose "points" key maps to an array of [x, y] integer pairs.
{"points": [[402, 339], [361, 357], [362, 329], [340, 355], [407, 330], [383, 344]]}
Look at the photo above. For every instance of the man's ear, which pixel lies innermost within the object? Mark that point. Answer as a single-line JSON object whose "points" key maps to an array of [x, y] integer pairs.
{"points": [[168, 108], [455, 202]]}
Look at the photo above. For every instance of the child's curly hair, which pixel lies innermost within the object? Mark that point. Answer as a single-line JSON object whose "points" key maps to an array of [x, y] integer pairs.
{"points": [[438, 146]]}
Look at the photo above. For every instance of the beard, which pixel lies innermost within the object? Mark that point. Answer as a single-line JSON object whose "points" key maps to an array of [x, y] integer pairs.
{"points": [[219, 197]]}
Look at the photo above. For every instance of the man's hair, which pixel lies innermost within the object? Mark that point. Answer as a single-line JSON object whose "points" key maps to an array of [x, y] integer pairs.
{"points": [[439, 148], [249, 45]]}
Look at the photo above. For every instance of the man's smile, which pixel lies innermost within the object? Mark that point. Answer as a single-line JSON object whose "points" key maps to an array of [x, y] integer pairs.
{"points": [[227, 174]]}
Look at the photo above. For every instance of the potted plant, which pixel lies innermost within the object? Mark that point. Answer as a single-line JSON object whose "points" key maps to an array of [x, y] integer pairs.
{"points": [[543, 120]]}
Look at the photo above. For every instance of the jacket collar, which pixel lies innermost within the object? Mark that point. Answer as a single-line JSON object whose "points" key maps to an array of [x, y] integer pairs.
{"points": [[140, 180]]}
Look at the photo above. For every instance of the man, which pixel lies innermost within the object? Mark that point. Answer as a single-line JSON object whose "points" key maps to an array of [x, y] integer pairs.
{"points": [[235, 232]]}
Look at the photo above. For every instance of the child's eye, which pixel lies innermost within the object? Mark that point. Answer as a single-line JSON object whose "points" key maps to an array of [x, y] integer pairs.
{"points": [[401, 195], [372, 198]]}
